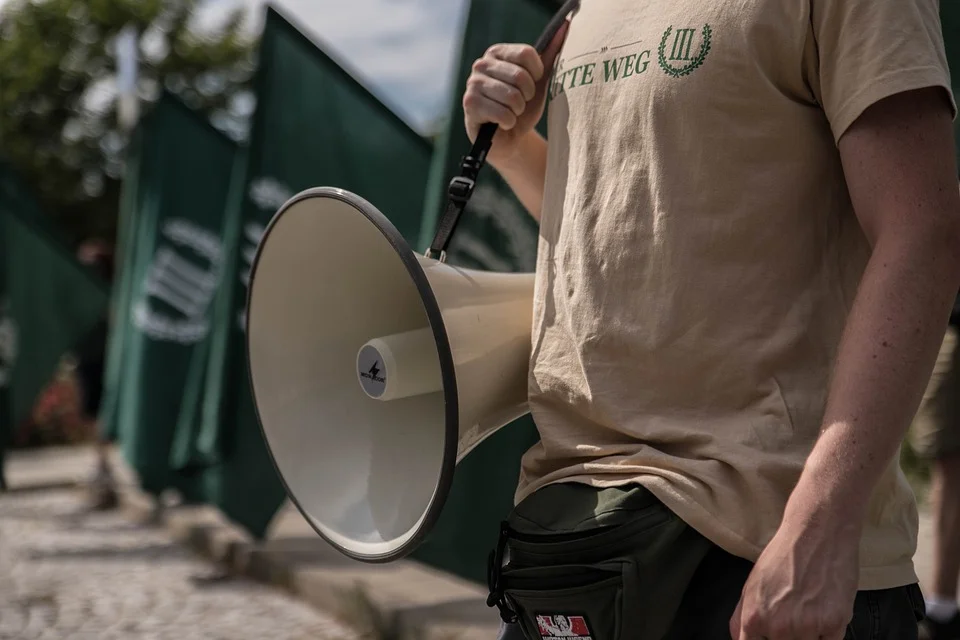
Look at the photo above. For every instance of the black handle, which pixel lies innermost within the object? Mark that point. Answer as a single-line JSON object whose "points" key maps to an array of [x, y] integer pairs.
{"points": [[461, 187], [485, 137]]}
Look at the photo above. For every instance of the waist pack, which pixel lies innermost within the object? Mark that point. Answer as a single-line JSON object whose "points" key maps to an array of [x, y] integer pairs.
{"points": [[572, 561]]}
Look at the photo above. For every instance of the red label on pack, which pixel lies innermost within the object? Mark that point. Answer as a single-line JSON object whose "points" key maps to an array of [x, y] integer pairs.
{"points": [[560, 626]]}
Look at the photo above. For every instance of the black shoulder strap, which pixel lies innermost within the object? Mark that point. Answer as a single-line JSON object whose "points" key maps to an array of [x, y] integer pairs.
{"points": [[461, 187]]}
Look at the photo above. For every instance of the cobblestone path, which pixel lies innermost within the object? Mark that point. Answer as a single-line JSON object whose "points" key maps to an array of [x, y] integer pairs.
{"points": [[73, 576]]}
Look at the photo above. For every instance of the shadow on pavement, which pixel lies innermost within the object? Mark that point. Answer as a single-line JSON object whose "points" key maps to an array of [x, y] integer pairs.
{"points": [[151, 551]]}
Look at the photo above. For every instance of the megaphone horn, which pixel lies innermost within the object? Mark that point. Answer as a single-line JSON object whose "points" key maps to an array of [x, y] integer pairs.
{"points": [[374, 370]]}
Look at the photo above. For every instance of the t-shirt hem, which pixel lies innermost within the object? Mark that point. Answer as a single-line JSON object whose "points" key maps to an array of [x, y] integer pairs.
{"points": [[889, 577], [888, 85], [711, 527]]}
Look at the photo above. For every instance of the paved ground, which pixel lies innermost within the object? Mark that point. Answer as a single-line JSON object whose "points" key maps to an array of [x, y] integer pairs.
{"points": [[65, 575]]}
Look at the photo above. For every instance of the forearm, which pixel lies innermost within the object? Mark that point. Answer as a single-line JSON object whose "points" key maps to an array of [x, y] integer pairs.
{"points": [[525, 172], [890, 342]]}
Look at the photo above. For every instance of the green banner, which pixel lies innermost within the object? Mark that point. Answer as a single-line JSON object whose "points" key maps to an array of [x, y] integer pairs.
{"points": [[315, 125], [174, 261], [495, 234], [190, 454], [49, 302], [123, 288]]}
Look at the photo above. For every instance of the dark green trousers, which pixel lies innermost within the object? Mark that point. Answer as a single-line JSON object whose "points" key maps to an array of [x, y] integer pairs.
{"points": [[616, 564]]}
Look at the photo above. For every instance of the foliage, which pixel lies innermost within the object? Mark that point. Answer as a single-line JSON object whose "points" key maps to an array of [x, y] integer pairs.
{"points": [[58, 119]]}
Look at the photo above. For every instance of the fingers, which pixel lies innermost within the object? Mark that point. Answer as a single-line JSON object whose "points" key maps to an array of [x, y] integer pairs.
{"points": [[501, 84], [520, 55], [785, 632], [753, 626], [750, 623], [507, 82], [508, 77], [480, 106], [735, 622]]}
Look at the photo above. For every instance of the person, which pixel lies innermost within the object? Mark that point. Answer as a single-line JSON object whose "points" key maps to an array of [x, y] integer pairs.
{"points": [[936, 439], [90, 359], [749, 227]]}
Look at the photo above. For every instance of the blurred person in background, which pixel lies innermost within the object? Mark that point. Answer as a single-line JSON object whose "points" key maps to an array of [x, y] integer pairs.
{"points": [[90, 357], [936, 438]]}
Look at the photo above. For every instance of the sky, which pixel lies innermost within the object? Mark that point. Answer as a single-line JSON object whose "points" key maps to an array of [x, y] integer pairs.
{"points": [[404, 50]]}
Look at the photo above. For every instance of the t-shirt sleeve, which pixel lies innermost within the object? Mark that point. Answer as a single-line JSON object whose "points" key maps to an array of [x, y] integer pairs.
{"points": [[868, 50]]}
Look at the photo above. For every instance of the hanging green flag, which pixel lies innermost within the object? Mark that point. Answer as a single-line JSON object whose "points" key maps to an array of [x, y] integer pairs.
{"points": [[188, 455], [48, 302], [173, 264], [495, 234], [315, 125], [119, 327]]}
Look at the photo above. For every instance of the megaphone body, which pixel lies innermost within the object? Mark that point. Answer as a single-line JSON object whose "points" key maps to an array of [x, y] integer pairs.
{"points": [[375, 370]]}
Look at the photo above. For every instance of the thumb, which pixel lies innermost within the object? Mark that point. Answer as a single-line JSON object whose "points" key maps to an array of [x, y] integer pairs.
{"points": [[735, 621], [549, 56]]}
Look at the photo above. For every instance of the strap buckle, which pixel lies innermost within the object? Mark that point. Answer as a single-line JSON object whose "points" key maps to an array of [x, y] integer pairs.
{"points": [[497, 598], [461, 188]]}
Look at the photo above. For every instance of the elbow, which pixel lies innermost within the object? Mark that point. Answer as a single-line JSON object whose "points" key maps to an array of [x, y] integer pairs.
{"points": [[940, 244], [930, 245], [943, 247], [942, 233], [944, 236]]}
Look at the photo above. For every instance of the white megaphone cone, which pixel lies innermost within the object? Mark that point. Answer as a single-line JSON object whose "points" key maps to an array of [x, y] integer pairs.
{"points": [[375, 370]]}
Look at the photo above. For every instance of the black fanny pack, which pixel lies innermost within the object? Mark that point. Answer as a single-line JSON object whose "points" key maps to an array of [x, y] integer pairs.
{"points": [[614, 573]]}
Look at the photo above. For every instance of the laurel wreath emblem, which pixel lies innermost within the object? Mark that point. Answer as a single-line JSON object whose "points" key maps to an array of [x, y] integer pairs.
{"points": [[678, 72]]}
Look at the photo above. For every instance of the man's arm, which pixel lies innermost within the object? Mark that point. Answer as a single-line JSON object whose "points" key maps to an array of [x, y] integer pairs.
{"points": [[901, 171], [525, 173], [900, 166]]}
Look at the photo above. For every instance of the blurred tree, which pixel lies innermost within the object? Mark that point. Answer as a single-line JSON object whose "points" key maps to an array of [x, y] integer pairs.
{"points": [[58, 118]]}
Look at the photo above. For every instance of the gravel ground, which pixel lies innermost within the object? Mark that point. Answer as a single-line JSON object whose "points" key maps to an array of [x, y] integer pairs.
{"points": [[66, 574]]}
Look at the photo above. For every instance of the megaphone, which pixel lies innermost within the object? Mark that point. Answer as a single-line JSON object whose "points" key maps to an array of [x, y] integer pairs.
{"points": [[375, 369]]}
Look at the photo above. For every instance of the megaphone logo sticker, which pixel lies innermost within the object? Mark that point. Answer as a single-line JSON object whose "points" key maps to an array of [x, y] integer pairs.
{"points": [[373, 378], [373, 373]]}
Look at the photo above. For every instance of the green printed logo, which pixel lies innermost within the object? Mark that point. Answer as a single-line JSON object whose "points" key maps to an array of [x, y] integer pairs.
{"points": [[680, 53], [609, 70], [675, 54]]}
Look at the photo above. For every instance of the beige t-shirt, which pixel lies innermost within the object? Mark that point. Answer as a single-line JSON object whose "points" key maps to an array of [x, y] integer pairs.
{"points": [[699, 252]]}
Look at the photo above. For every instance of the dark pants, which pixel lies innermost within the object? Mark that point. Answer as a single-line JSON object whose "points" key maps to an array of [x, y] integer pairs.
{"points": [[692, 586]]}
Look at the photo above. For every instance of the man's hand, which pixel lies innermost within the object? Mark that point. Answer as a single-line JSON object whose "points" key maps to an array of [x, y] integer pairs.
{"points": [[508, 86], [803, 585]]}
